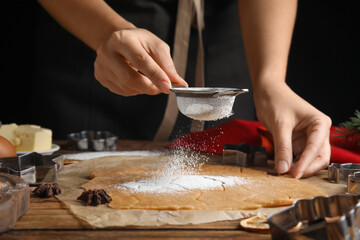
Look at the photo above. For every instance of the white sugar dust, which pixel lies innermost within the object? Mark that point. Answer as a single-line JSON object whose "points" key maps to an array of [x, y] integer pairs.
{"points": [[181, 162], [176, 183]]}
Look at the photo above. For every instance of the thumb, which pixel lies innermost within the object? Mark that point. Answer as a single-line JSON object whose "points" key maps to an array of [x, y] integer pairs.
{"points": [[283, 148]]}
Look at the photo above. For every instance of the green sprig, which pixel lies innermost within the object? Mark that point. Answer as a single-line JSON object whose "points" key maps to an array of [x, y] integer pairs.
{"points": [[350, 130], [353, 124]]}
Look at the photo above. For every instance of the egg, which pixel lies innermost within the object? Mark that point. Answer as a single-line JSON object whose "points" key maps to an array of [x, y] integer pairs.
{"points": [[7, 149]]}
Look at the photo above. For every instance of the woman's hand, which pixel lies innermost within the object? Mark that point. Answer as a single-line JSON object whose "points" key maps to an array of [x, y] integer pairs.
{"points": [[298, 130], [135, 61]]}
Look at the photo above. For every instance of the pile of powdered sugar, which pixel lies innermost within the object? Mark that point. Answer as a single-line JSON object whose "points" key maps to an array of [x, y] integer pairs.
{"points": [[176, 183], [206, 109]]}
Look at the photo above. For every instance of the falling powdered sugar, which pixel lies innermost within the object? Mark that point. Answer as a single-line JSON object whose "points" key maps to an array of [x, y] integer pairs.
{"points": [[181, 162]]}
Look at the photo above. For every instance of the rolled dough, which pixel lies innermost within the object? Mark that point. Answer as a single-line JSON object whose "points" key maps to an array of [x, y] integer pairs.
{"points": [[257, 190]]}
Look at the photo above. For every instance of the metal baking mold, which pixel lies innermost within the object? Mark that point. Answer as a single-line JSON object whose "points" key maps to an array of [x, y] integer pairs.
{"points": [[329, 218], [93, 140], [338, 173], [33, 167], [14, 200], [244, 155]]}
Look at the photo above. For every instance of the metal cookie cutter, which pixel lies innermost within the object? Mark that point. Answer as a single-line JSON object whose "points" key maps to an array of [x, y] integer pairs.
{"points": [[338, 173], [33, 167], [244, 155], [346, 173], [329, 218], [14, 200], [353, 184], [93, 140]]}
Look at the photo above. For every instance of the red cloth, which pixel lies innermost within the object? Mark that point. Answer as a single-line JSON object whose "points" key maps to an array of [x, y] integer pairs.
{"points": [[211, 140], [253, 133]]}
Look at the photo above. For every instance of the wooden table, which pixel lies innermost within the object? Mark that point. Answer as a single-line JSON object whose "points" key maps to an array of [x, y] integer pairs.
{"points": [[50, 219]]}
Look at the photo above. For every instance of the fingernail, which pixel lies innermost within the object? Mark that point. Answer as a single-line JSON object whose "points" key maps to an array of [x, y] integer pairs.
{"points": [[299, 175], [282, 166]]}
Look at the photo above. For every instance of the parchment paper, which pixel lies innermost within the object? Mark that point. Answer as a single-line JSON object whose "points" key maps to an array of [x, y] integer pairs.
{"points": [[74, 175]]}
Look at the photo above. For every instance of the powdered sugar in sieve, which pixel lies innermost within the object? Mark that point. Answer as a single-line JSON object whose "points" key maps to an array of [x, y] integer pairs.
{"points": [[207, 109], [206, 104]]}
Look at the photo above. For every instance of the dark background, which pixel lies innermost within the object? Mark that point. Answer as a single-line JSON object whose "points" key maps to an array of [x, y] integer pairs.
{"points": [[323, 64]]}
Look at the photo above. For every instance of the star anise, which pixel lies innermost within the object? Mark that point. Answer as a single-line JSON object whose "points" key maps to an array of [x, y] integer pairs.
{"points": [[94, 197], [47, 190]]}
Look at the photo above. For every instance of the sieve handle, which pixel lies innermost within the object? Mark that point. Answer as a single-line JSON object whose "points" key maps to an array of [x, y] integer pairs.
{"points": [[230, 92]]}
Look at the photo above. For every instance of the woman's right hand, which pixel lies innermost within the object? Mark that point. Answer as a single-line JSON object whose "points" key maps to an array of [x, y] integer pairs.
{"points": [[300, 131], [135, 61]]}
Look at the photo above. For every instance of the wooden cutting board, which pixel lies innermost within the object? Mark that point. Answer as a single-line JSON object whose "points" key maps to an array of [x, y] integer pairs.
{"points": [[14, 200]]}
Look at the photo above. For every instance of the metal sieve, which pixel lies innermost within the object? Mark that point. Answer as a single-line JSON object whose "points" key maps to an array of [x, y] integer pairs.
{"points": [[206, 103]]}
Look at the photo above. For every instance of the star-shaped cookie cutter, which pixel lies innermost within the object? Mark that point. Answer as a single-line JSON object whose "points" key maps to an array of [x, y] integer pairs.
{"points": [[93, 140], [33, 167], [329, 218]]}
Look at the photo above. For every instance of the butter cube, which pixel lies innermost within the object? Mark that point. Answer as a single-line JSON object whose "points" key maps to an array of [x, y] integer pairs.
{"points": [[8, 131], [33, 138]]}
